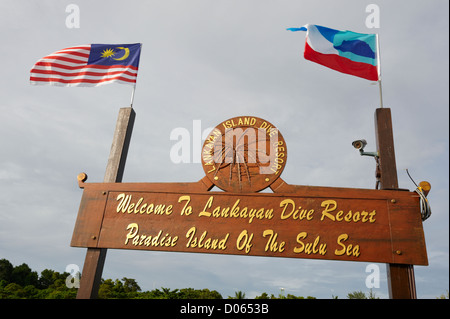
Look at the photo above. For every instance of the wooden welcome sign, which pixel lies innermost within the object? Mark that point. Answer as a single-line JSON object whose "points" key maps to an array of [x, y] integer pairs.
{"points": [[243, 156]]}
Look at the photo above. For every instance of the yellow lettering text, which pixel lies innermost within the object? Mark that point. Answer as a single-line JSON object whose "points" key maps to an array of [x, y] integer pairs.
{"points": [[348, 250]]}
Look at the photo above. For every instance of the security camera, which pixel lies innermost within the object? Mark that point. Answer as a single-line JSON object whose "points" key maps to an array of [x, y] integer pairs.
{"points": [[359, 144]]}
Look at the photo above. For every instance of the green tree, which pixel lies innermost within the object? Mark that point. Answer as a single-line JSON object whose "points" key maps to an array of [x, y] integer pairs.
{"points": [[30, 292], [153, 294], [130, 285], [167, 294], [356, 295], [188, 293], [24, 276], [443, 296], [361, 295], [125, 288], [191, 293], [6, 269], [105, 290], [13, 291], [209, 294], [289, 296], [264, 295], [48, 278], [119, 289], [61, 294], [238, 295], [110, 289]]}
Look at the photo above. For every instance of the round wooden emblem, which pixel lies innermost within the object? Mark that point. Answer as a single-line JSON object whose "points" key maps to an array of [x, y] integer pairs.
{"points": [[244, 154]]}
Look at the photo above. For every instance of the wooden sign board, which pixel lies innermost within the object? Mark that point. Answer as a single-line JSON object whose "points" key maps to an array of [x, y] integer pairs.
{"points": [[242, 156], [295, 221]]}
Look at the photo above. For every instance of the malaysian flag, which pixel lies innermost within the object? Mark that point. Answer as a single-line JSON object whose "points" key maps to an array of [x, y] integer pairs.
{"points": [[88, 65]]}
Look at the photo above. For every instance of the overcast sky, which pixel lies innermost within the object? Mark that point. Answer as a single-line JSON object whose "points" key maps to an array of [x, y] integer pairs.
{"points": [[211, 61]]}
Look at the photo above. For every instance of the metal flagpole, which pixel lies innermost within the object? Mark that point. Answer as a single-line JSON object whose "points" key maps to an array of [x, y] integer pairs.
{"points": [[132, 95], [379, 70]]}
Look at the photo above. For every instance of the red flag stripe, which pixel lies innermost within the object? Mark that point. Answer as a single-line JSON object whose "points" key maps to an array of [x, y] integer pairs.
{"points": [[38, 79], [71, 53], [82, 73], [64, 58]]}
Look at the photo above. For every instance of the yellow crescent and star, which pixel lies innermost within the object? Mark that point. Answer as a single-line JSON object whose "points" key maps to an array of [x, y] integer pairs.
{"points": [[110, 53]]}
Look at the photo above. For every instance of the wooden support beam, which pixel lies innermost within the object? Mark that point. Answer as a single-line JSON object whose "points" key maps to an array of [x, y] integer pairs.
{"points": [[400, 277], [95, 257]]}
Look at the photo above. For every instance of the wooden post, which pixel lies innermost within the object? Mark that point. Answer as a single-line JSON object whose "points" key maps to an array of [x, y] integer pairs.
{"points": [[400, 277], [95, 257]]}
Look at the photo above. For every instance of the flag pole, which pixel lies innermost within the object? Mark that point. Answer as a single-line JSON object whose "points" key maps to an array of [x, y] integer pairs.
{"points": [[132, 95], [134, 86], [95, 257], [379, 70]]}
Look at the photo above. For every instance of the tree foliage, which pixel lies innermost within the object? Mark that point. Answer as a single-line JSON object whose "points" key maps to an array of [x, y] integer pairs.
{"points": [[362, 295], [20, 282], [238, 295], [280, 296]]}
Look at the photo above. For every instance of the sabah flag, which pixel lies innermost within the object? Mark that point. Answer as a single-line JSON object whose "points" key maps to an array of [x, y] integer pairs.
{"points": [[88, 65], [344, 51]]}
